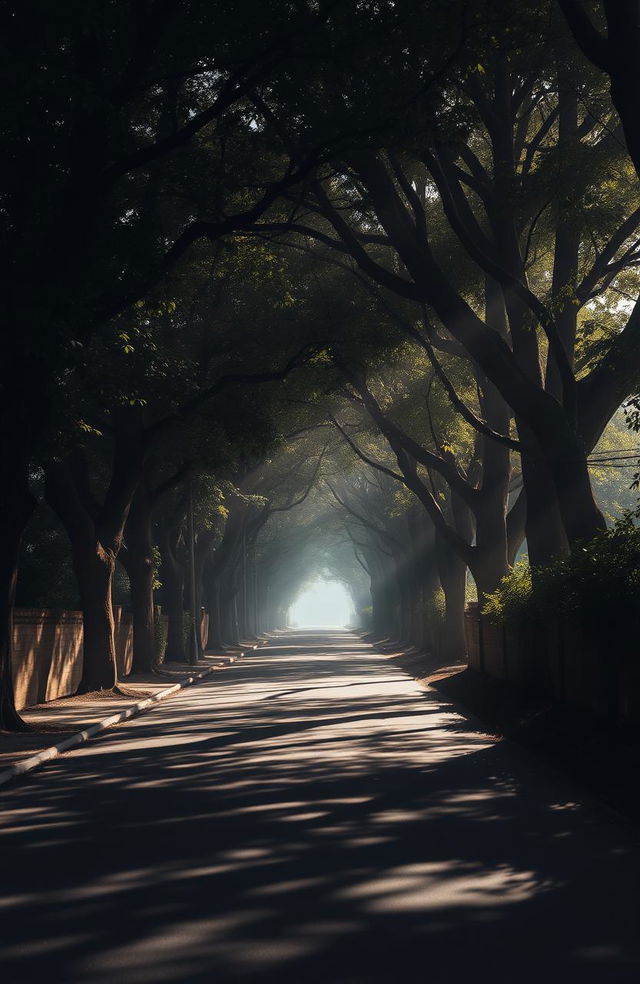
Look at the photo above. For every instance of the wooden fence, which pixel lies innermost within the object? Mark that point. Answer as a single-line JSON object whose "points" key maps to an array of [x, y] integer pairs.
{"points": [[47, 652], [596, 669]]}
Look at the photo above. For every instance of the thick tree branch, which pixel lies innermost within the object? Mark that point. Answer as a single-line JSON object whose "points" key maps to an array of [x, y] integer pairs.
{"points": [[479, 425], [601, 265], [399, 438], [479, 248], [230, 379], [364, 457], [171, 482], [379, 273], [384, 535], [237, 85], [594, 46]]}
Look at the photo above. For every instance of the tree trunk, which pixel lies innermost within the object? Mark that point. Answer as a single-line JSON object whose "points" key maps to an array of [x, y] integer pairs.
{"points": [[380, 618], [17, 505], [490, 564], [416, 632], [94, 567], [222, 570], [144, 649], [560, 505], [175, 626], [235, 633], [491, 508], [516, 521], [453, 579], [251, 602], [380, 605], [417, 636], [524, 394], [555, 518], [623, 43], [204, 540], [23, 414], [425, 564], [414, 564], [138, 562], [544, 528], [393, 597], [567, 240], [215, 616], [172, 577], [229, 626], [407, 597], [580, 512], [401, 628], [96, 532]]}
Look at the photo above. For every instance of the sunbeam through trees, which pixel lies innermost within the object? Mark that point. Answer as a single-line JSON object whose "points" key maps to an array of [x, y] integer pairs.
{"points": [[324, 315]]}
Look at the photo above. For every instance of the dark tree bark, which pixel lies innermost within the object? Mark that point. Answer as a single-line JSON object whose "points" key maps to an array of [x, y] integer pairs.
{"points": [[138, 561], [212, 604], [452, 571], [490, 507], [487, 559], [64, 199], [95, 532], [617, 53], [425, 564], [567, 240], [16, 507], [382, 607], [94, 567], [93, 564], [561, 446], [221, 578], [23, 413], [204, 540], [172, 575], [403, 589], [545, 531]]}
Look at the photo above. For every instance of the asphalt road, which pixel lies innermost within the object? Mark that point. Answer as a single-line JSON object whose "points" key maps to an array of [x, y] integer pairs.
{"points": [[312, 816]]}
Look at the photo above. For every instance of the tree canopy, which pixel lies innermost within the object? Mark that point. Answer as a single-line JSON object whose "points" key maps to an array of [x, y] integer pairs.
{"points": [[300, 289]]}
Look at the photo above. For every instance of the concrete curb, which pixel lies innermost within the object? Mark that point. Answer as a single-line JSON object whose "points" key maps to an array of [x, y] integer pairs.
{"points": [[80, 737]]}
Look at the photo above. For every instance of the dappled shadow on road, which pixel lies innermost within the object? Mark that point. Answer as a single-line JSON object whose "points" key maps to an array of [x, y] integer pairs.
{"points": [[312, 816]]}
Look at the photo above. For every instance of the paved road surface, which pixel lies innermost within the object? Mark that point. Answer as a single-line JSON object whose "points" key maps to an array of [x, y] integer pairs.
{"points": [[311, 816]]}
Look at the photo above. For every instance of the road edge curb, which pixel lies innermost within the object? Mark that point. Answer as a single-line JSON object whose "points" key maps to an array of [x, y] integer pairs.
{"points": [[27, 765]]}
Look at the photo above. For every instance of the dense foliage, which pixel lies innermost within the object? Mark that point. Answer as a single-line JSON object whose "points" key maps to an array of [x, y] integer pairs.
{"points": [[346, 290], [598, 581]]}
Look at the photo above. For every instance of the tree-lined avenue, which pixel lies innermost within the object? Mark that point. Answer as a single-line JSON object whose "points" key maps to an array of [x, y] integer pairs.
{"points": [[311, 815]]}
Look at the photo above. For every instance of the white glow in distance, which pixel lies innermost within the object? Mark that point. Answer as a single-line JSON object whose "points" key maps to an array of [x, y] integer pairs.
{"points": [[324, 604]]}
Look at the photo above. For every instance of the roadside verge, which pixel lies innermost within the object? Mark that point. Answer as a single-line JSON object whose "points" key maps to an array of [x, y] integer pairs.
{"points": [[26, 765]]}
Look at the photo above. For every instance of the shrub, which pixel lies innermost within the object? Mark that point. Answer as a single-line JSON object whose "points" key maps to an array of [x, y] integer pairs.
{"points": [[514, 596], [433, 608], [597, 578]]}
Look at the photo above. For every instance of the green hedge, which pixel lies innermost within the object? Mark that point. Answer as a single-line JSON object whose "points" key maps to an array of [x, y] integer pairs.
{"points": [[596, 579]]}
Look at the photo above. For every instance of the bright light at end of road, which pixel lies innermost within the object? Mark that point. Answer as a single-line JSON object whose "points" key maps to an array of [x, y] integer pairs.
{"points": [[325, 604]]}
